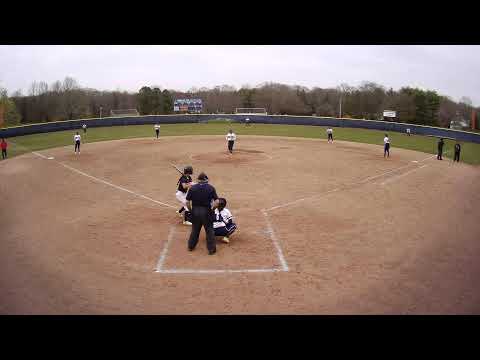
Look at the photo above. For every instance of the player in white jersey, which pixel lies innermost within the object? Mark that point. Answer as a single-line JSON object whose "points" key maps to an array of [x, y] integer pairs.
{"points": [[223, 224], [386, 149], [231, 137], [77, 138], [157, 129], [330, 134], [84, 127]]}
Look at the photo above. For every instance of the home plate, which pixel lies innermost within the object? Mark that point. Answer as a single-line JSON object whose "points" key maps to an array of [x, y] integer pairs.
{"points": [[415, 161], [50, 158]]}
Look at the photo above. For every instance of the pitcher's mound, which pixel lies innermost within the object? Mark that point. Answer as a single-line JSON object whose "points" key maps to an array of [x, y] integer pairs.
{"points": [[238, 156]]}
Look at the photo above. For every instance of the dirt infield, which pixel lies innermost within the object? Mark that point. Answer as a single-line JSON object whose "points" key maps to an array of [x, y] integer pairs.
{"points": [[323, 229]]}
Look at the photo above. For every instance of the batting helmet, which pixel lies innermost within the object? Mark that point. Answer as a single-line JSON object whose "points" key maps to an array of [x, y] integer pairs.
{"points": [[188, 170]]}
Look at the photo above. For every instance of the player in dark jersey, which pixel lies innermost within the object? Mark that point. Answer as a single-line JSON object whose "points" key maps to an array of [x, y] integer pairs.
{"points": [[183, 184], [440, 149], [457, 152]]}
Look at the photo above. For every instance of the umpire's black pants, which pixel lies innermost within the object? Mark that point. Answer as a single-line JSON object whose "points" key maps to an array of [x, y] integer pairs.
{"points": [[202, 216]]}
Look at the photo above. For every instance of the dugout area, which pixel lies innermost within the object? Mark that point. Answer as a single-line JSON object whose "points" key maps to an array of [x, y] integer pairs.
{"points": [[323, 229]]}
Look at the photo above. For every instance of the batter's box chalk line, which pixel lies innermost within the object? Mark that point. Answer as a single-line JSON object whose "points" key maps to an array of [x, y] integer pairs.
{"points": [[283, 268]]}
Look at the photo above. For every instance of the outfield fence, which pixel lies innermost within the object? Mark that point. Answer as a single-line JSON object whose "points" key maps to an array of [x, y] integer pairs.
{"points": [[464, 136]]}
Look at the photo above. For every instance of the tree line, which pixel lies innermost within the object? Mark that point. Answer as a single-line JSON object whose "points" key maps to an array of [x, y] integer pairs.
{"points": [[67, 100]]}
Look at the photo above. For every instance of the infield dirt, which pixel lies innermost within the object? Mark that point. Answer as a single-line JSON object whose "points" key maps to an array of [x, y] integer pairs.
{"points": [[360, 234]]}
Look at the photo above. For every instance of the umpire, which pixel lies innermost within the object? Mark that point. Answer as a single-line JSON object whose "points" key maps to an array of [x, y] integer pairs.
{"points": [[201, 200]]}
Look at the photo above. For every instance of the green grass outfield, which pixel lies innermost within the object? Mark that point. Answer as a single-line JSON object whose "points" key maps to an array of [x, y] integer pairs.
{"points": [[22, 144]]}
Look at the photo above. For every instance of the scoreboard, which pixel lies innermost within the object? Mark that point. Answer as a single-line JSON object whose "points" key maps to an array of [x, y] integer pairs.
{"points": [[188, 105]]}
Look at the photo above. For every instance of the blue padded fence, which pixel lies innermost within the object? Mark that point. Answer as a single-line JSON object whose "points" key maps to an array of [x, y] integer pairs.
{"points": [[264, 119]]}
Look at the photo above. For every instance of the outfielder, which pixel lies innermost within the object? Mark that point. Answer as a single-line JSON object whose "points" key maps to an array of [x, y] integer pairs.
{"points": [[231, 137], [157, 129], [223, 224], [184, 183]]}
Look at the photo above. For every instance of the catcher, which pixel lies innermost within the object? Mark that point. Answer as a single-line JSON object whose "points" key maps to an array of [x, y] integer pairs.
{"points": [[183, 184], [223, 224]]}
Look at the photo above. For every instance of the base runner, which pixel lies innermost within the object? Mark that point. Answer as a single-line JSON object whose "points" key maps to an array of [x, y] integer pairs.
{"points": [[183, 184]]}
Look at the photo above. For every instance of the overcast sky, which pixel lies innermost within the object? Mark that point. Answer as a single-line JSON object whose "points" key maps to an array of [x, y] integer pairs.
{"points": [[450, 70]]}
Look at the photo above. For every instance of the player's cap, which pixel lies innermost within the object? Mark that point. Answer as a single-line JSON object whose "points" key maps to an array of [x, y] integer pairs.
{"points": [[202, 177], [188, 170]]}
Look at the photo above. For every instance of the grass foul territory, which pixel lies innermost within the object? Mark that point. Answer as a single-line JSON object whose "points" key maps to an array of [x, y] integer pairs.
{"points": [[22, 144]]}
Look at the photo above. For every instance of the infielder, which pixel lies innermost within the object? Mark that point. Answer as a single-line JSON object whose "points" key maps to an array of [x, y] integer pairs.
{"points": [[77, 138], [231, 137], [183, 184], [223, 224], [386, 149], [330, 134], [157, 129]]}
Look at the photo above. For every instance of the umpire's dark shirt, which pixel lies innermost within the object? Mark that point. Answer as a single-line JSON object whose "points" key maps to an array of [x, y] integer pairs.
{"points": [[202, 194]]}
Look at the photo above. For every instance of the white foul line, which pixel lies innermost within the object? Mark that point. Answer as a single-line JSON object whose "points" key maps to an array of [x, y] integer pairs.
{"points": [[163, 256], [338, 189], [108, 183], [213, 271], [40, 155], [432, 156], [302, 199], [382, 174], [401, 175], [115, 186], [275, 242]]}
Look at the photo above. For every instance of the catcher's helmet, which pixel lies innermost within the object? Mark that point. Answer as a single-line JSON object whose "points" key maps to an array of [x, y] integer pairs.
{"points": [[188, 170], [222, 202]]}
